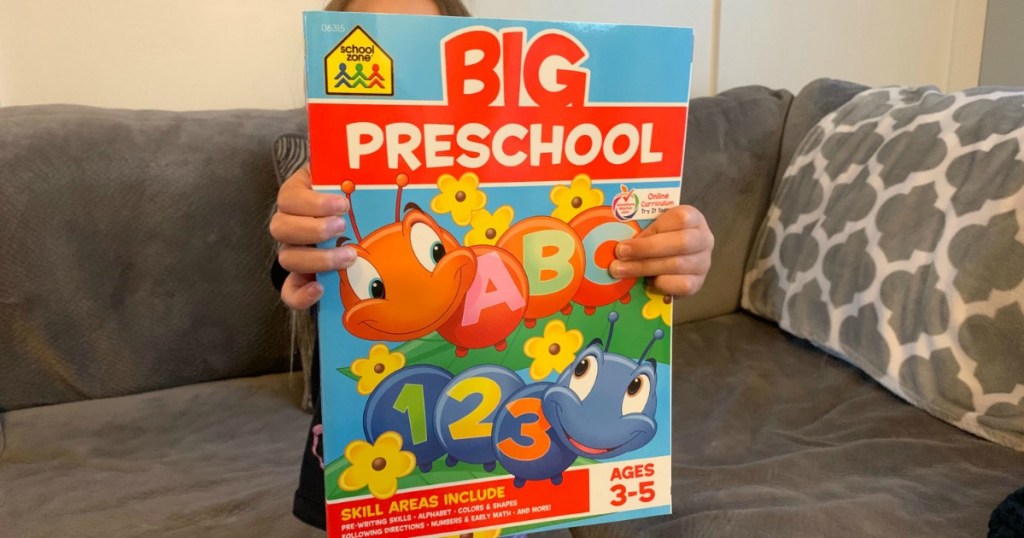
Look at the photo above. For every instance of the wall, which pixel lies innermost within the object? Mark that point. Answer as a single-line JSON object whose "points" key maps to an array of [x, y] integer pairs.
{"points": [[173, 54], [787, 43], [1002, 62], [191, 54], [697, 14]]}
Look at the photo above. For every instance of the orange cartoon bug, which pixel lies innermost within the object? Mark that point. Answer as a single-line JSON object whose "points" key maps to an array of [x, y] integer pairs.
{"points": [[412, 278]]}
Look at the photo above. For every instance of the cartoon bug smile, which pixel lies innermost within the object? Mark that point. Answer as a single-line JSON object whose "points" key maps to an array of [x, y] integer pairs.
{"points": [[429, 327], [409, 277], [591, 451]]}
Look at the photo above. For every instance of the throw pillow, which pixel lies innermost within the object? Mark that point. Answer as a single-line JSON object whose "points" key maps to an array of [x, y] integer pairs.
{"points": [[895, 241]]}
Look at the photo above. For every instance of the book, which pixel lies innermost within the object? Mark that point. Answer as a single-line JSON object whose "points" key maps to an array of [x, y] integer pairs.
{"points": [[481, 370]]}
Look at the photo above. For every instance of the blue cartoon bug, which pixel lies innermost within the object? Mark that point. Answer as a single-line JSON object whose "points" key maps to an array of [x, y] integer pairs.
{"points": [[601, 406]]}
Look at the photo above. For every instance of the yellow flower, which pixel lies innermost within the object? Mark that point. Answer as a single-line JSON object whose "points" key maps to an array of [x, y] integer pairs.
{"points": [[574, 199], [554, 351], [487, 228], [379, 465], [460, 197], [658, 305], [373, 369], [493, 533]]}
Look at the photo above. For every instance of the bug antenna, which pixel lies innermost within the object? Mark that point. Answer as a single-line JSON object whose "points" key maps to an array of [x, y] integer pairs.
{"points": [[612, 318], [401, 180], [348, 187], [658, 335]]}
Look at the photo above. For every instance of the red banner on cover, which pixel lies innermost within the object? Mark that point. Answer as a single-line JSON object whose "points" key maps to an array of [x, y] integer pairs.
{"points": [[480, 505], [371, 145]]}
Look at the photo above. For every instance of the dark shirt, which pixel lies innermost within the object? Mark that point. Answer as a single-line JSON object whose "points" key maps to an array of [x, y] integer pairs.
{"points": [[309, 496]]}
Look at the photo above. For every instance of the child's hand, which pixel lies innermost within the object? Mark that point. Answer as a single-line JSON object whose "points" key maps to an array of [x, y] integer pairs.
{"points": [[304, 218], [675, 250]]}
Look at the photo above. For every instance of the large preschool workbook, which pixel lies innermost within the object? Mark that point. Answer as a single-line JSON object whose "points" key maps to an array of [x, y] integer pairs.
{"points": [[481, 369]]}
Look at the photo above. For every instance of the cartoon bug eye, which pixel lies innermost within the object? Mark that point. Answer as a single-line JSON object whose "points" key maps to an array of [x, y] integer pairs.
{"points": [[426, 245], [365, 280], [637, 393], [583, 377]]}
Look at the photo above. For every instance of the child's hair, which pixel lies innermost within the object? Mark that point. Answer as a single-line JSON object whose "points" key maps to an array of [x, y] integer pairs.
{"points": [[453, 8]]}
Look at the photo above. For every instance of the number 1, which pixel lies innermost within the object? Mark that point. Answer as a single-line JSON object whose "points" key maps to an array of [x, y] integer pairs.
{"points": [[411, 403]]}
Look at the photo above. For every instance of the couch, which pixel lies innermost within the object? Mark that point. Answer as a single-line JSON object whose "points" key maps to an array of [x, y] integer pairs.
{"points": [[147, 388]]}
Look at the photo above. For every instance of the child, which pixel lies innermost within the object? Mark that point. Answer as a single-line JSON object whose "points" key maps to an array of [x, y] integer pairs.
{"points": [[674, 253]]}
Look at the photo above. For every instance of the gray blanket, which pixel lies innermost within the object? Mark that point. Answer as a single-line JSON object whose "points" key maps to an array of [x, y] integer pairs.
{"points": [[772, 438]]}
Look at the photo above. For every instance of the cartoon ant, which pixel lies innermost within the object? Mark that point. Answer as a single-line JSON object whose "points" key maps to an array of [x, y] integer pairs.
{"points": [[412, 277], [601, 406]]}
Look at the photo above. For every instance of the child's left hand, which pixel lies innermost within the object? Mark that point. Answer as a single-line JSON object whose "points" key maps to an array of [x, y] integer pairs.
{"points": [[674, 251]]}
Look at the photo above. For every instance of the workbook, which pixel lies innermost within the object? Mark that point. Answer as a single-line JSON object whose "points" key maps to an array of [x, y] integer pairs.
{"points": [[482, 371]]}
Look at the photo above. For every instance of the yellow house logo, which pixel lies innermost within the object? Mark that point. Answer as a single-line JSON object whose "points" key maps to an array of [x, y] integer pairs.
{"points": [[359, 66]]}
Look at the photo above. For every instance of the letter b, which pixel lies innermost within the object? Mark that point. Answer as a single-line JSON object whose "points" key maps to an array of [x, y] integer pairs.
{"points": [[470, 62]]}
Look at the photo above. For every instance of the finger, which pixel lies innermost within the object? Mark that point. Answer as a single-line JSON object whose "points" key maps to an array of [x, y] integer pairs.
{"points": [[301, 291], [297, 197], [678, 218], [671, 265], [670, 243], [677, 285], [315, 260], [295, 230]]}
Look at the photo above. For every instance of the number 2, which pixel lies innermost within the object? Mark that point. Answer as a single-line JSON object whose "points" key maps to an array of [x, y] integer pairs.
{"points": [[472, 425]]}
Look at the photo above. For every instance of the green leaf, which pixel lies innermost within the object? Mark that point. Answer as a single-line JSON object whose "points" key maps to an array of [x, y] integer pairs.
{"points": [[332, 472]]}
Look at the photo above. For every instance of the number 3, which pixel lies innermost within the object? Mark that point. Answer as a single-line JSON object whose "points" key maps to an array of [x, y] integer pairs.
{"points": [[620, 495], [535, 431]]}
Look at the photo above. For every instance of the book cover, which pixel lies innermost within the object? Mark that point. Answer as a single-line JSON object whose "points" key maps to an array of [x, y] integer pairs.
{"points": [[481, 370]]}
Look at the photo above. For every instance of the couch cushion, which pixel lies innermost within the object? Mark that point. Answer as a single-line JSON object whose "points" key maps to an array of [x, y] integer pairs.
{"points": [[772, 437], [732, 151], [895, 241], [215, 459], [135, 253]]}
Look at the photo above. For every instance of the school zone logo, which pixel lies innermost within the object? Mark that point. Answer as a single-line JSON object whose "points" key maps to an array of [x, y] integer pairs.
{"points": [[359, 66]]}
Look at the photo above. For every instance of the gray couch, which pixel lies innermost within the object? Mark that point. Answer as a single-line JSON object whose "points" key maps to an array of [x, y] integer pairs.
{"points": [[145, 377]]}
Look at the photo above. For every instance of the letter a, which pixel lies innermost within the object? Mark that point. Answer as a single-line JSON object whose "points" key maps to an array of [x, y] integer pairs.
{"points": [[492, 286]]}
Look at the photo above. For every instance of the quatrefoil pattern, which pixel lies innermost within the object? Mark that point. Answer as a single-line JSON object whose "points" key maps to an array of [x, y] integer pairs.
{"points": [[895, 241]]}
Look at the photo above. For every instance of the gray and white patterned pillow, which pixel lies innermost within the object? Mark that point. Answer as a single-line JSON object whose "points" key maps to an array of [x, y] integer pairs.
{"points": [[896, 241]]}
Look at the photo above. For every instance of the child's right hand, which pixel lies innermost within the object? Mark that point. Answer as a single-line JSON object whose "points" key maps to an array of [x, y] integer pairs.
{"points": [[304, 218]]}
